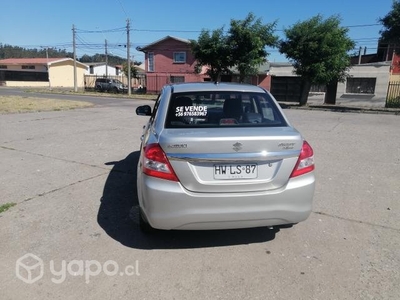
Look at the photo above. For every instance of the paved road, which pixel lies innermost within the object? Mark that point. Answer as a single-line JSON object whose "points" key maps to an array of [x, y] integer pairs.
{"points": [[72, 175]]}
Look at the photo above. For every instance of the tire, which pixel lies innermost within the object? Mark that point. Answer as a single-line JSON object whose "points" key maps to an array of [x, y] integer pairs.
{"points": [[98, 88], [115, 90], [283, 226], [145, 227]]}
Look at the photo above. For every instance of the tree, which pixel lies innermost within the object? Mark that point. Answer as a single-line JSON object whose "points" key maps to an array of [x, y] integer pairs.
{"points": [[100, 58], [391, 23], [243, 47], [211, 50], [247, 40], [86, 58], [134, 71], [8, 51], [318, 49]]}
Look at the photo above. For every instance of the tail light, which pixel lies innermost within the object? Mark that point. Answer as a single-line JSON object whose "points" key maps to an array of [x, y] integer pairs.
{"points": [[305, 163], [156, 164]]}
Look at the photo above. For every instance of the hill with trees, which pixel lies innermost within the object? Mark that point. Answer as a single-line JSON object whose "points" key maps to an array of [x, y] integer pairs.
{"points": [[9, 51]]}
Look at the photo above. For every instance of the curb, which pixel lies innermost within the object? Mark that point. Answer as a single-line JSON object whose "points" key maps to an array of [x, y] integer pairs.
{"points": [[344, 109]]}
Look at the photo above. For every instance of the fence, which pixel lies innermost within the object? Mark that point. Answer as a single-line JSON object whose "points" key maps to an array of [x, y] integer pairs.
{"points": [[393, 94], [156, 82], [135, 82]]}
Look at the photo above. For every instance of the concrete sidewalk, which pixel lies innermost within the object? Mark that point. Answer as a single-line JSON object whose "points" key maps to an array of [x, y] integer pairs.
{"points": [[361, 101], [345, 104]]}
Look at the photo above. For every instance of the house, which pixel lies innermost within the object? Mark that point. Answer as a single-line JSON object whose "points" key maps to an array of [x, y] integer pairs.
{"points": [[366, 82], [103, 69], [386, 53], [41, 72], [97, 70], [381, 71], [169, 60]]}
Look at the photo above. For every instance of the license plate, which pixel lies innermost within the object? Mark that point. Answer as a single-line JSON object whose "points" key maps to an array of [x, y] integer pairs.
{"points": [[235, 171]]}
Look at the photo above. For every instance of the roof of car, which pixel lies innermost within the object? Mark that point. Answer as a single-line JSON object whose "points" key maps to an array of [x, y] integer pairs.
{"points": [[214, 86]]}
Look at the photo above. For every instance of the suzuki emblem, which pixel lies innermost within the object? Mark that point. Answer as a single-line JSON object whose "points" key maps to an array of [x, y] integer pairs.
{"points": [[237, 146]]}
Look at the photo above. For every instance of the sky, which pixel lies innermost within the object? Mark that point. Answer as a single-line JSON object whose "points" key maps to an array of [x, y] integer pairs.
{"points": [[48, 23]]}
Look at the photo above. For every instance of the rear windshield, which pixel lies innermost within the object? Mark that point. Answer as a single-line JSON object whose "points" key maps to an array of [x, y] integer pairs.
{"points": [[232, 109]]}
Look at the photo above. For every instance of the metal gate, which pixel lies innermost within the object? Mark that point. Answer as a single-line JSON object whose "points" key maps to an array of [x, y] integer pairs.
{"points": [[286, 88], [393, 94]]}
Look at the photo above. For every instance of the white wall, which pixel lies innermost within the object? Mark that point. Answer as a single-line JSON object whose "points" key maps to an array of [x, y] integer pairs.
{"points": [[101, 70], [380, 71]]}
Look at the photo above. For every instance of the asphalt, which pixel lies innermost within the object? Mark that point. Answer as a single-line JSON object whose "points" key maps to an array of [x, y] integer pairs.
{"points": [[72, 175]]}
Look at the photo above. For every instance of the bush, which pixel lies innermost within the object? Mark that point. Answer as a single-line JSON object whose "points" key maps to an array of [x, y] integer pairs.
{"points": [[393, 102]]}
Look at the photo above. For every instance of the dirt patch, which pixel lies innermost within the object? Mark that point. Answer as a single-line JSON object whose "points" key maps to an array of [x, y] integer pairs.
{"points": [[91, 92], [18, 104]]}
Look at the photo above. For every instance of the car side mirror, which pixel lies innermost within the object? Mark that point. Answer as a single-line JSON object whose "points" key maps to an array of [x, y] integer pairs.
{"points": [[144, 110]]}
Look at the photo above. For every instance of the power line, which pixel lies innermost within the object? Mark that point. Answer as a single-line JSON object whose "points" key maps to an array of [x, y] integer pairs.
{"points": [[120, 29], [365, 25], [123, 29], [197, 31], [87, 46], [123, 9]]}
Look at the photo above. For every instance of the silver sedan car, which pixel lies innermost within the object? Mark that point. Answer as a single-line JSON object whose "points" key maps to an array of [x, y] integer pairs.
{"points": [[221, 156]]}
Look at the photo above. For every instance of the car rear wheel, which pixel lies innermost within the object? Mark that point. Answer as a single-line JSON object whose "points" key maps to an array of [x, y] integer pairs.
{"points": [[143, 224], [283, 226]]}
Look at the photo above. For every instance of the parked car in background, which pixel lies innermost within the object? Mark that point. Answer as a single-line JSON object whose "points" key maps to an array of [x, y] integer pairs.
{"points": [[221, 156], [110, 85]]}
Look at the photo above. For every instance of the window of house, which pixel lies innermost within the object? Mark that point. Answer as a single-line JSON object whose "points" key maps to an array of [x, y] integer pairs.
{"points": [[28, 67], [360, 85], [177, 79], [150, 66], [91, 70], [179, 57], [3, 67]]}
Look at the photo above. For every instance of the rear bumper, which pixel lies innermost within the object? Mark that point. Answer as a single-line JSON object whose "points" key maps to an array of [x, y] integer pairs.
{"points": [[167, 205]]}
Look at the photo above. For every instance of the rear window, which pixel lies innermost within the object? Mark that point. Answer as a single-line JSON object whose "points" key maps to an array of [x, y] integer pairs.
{"points": [[226, 109]]}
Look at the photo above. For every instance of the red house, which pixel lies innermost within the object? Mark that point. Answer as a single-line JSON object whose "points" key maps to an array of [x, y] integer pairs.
{"points": [[170, 60], [396, 64]]}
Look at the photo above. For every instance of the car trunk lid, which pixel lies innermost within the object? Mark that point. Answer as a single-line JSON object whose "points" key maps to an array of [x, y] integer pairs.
{"points": [[218, 160]]}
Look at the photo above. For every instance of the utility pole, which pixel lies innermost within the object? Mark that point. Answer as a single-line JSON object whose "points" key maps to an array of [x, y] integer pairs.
{"points": [[128, 46], [74, 49], [106, 58], [48, 65], [359, 56]]}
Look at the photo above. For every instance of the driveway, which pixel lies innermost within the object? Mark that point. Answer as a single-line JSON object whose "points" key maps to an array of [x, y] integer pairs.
{"points": [[72, 234]]}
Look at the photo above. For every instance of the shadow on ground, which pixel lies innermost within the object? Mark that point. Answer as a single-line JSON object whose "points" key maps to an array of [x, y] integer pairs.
{"points": [[118, 216]]}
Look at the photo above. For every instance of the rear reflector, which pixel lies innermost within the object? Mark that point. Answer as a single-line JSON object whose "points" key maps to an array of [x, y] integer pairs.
{"points": [[305, 163], [156, 164]]}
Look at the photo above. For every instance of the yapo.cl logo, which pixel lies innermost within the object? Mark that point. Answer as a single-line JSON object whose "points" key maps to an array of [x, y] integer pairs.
{"points": [[29, 268]]}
